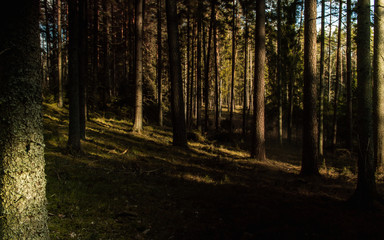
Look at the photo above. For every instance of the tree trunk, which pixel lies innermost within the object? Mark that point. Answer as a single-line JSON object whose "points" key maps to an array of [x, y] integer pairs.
{"points": [[245, 92], [349, 79], [233, 67], [73, 67], [138, 125], [365, 192], [310, 130], [59, 56], [159, 65], [206, 72], [378, 71], [198, 66], [321, 87], [23, 183], [279, 74], [177, 104], [338, 78], [217, 103], [83, 61], [258, 136]]}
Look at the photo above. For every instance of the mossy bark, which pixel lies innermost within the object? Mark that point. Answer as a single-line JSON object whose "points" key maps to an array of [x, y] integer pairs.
{"points": [[23, 200]]}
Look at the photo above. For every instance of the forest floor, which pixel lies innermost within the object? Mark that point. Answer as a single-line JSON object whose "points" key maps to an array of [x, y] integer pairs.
{"points": [[138, 186]]}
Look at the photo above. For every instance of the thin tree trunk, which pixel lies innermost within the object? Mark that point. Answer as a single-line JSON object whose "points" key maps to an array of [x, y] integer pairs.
{"points": [[310, 128], [206, 73], [138, 125], [159, 65], [59, 56], [217, 103], [349, 79], [233, 67], [258, 131], [329, 51], [321, 88], [177, 104], [198, 66], [338, 76], [83, 61], [378, 70], [279, 74], [245, 99], [188, 67]]}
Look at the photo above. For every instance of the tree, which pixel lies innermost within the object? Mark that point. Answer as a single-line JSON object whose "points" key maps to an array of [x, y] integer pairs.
{"points": [[378, 74], [74, 136], [279, 73], [321, 78], [59, 55], [365, 192], [310, 130], [138, 124], [159, 65], [23, 200], [258, 130], [349, 79], [233, 66], [177, 100]]}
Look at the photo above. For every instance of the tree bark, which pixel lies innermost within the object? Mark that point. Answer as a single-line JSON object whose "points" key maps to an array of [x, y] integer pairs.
{"points": [[83, 61], [365, 192], [138, 124], [378, 71], [177, 100], [233, 67], [349, 79], [321, 87], [245, 90], [73, 68], [59, 56], [258, 131], [310, 128], [23, 184], [159, 65], [279, 74], [198, 66]]}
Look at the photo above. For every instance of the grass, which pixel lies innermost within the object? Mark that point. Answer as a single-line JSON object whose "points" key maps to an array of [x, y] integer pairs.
{"points": [[138, 186]]}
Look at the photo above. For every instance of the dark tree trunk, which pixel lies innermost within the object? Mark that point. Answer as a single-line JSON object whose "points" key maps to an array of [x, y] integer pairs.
{"points": [[177, 101], [310, 128], [206, 70], [83, 61], [217, 103], [138, 125], [258, 131], [365, 192], [73, 67], [23, 201], [189, 88], [279, 74]]}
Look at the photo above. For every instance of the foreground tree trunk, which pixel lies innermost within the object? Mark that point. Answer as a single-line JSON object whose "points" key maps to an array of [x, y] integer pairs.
{"points": [[159, 65], [258, 136], [231, 106], [366, 184], [349, 78], [138, 125], [59, 56], [177, 100], [23, 201], [321, 87], [310, 130], [378, 71], [73, 71]]}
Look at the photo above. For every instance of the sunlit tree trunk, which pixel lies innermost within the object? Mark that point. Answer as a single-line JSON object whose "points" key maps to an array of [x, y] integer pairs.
{"points": [[198, 67], [177, 100], [138, 124], [378, 71], [217, 102], [23, 201], [245, 90], [310, 128], [279, 74], [258, 131]]}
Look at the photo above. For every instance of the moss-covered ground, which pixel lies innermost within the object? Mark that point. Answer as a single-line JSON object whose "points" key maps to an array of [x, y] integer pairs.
{"points": [[138, 186]]}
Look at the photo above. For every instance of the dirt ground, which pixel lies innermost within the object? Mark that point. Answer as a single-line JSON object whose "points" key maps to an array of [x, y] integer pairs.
{"points": [[138, 186]]}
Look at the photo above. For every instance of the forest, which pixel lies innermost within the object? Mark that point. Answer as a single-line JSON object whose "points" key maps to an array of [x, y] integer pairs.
{"points": [[199, 119]]}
